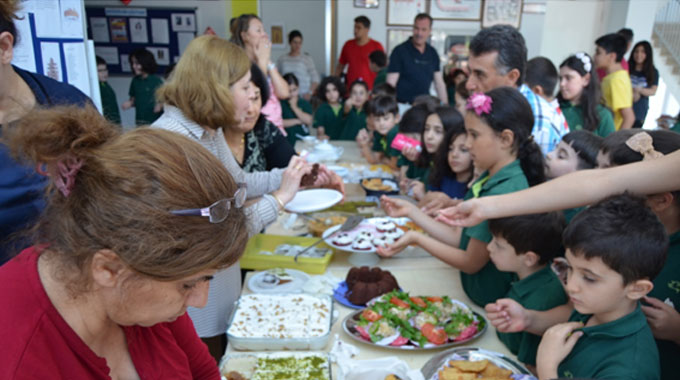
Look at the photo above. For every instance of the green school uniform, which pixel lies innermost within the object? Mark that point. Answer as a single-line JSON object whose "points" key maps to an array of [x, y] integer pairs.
{"points": [[676, 127], [330, 118], [570, 213], [144, 92], [355, 121], [381, 77], [109, 103], [383, 143], [623, 349], [539, 291], [297, 129], [667, 287], [414, 171], [490, 284], [574, 116]]}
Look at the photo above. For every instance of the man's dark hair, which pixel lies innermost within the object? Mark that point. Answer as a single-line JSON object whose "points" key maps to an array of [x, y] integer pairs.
{"points": [[542, 72], [100, 61], [293, 34], [508, 43], [423, 16], [384, 89], [382, 105], [627, 33], [145, 59], [538, 233], [378, 57], [363, 20], [613, 43], [624, 233]]}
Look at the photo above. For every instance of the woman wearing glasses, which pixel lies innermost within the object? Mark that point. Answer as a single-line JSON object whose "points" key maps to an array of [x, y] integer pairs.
{"points": [[208, 94], [104, 292]]}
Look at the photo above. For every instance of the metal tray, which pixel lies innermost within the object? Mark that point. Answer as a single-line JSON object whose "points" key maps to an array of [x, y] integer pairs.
{"points": [[350, 322], [244, 363], [431, 368]]}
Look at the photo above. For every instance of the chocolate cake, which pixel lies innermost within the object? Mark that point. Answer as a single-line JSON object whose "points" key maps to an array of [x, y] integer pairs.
{"points": [[364, 284]]}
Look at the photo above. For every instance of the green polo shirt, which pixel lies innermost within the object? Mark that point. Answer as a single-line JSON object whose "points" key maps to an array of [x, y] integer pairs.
{"points": [[623, 349], [330, 118], [667, 287], [109, 103], [381, 77], [414, 171], [676, 127], [297, 129], [574, 116], [490, 284], [355, 121], [570, 213], [539, 291], [144, 92], [383, 143]]}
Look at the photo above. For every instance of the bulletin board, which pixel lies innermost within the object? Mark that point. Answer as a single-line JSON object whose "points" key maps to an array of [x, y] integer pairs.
{"points": [[117, 32]]}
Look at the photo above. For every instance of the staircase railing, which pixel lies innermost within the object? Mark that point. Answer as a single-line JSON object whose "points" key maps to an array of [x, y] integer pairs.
{"points": [[667, 29]]}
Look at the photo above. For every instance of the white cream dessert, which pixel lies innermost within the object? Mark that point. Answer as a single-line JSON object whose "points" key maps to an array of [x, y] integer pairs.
{"points": [[382, 241], [362, 244], [365, 235], [394, 235], [342, 239], [385, 226]]}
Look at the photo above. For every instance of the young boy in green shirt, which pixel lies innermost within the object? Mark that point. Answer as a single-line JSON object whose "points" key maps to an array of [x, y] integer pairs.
{"points": [[377, 62], [296, 111], [614, 250], [525, 245], [109, 101], [385, 112]]}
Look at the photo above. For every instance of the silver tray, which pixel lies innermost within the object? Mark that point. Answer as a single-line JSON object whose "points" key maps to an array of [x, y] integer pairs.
{"points": [[228, 361], [350, 322], [437, 362]]}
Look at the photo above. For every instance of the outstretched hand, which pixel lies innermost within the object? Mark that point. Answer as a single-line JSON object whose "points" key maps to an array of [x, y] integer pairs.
{"points": [[466, 214], [395, 207], [404, 241], [507, 315]]}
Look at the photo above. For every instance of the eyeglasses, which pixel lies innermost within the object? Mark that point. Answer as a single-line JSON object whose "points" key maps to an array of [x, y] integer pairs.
{"points": [[218, 211]]}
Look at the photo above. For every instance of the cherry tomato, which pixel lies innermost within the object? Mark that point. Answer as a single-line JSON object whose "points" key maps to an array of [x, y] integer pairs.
{"points": [[433, 334], [400, 341], [371, 315], [399, 303], [363, 333], [435, 299], [418, 301]]}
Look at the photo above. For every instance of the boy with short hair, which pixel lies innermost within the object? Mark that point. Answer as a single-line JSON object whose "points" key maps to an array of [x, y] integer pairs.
{"points": [[614, 249], [385, 118], [617, 89], [109, 101], [525, 245], [542, 78], [377, 62]]}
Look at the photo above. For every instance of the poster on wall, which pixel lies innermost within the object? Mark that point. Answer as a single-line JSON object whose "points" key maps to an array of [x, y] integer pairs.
{"points": [[24, 56], [138, 33], [100, 29], [403, 12], [109, 54], [506, 12], [276, 35], [162, 55], [183, 22], [159, 31], [76, 66], [119, 30], [456, 9], [51, 60], [47, 18], [71, 19], [395, 37]]}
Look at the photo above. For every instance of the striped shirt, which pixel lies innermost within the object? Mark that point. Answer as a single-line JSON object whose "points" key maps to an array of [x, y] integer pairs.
{"points": [[549, 125], [302, 66]]}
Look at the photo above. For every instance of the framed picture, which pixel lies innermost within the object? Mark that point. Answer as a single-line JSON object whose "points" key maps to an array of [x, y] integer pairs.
{"points": [[508, 12], [366, 3], [403, 12], [277, 36], [465, 10], [395, 37]]}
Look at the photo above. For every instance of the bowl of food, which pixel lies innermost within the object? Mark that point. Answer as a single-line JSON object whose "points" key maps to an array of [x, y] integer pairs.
{"points": [[325, 220], [376, 186]]}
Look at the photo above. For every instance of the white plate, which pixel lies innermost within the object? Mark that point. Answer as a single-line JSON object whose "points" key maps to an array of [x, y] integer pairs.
{"points": [[313, 200], [299, 280]]}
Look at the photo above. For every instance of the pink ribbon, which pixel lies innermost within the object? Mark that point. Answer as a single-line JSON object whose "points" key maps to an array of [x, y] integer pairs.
{"points": [[480, 103]]}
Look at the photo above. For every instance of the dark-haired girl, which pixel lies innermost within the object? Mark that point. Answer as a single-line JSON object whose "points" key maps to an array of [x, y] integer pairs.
{"points": [[644, 78], [143, 88], [354, 111], [296, 111], [328, 118]]}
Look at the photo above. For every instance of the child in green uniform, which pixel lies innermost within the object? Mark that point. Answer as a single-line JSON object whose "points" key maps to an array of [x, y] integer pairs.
{"points": [[296, 111], [377, 150], [143, 88], [328, 118], [614, 249], [580, 98], [377, 62], [411, 125], [663, 302], [525, 245], [498, 126], [354, 111], [109, 101]]}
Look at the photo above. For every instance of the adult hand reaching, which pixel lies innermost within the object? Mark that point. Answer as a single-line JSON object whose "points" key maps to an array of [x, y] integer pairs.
{"points": [[466, 214], [290, 181], [329, 179]]}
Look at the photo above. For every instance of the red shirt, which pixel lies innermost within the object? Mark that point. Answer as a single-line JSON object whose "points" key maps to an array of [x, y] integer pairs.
{"points": [[356, 57], [37, 343]]}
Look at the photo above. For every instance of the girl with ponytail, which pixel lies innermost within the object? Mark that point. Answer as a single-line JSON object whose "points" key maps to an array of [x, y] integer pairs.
{"points": [[498, 126]]}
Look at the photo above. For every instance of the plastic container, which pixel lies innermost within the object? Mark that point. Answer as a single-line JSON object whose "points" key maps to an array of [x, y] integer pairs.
{"points": [[281, 344], [377, 193], [245, 363], [254, 259]]}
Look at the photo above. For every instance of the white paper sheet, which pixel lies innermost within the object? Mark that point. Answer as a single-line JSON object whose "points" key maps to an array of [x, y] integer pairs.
{"points": [[183, 39], [95, 94], [125, 63], [76, 66], [183, 22], [24, 56], [159, 31], [71, 19], [138, 32], [162, 55], [100, 29], [51, 60], [47, 19], [109, 53]]}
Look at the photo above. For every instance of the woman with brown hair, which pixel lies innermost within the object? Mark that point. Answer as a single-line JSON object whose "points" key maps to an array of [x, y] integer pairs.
{"points": [[119, 254]]}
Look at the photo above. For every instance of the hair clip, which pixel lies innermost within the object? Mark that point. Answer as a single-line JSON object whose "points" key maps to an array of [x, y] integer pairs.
{"points": [[585, 60], [643, 143], [480, 103]]}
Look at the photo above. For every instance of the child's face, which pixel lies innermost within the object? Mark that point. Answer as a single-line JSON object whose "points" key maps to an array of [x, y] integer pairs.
{"points": [[603, 59], [503, 255], [482, 142], [433, 134], [562, 160], [603, 160], [102, 73], [639, 55], [332, 93], [384, 123], [136, 66], [595, 288], [359, 95], [294, 90], [572, 84], [459, 156]]}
